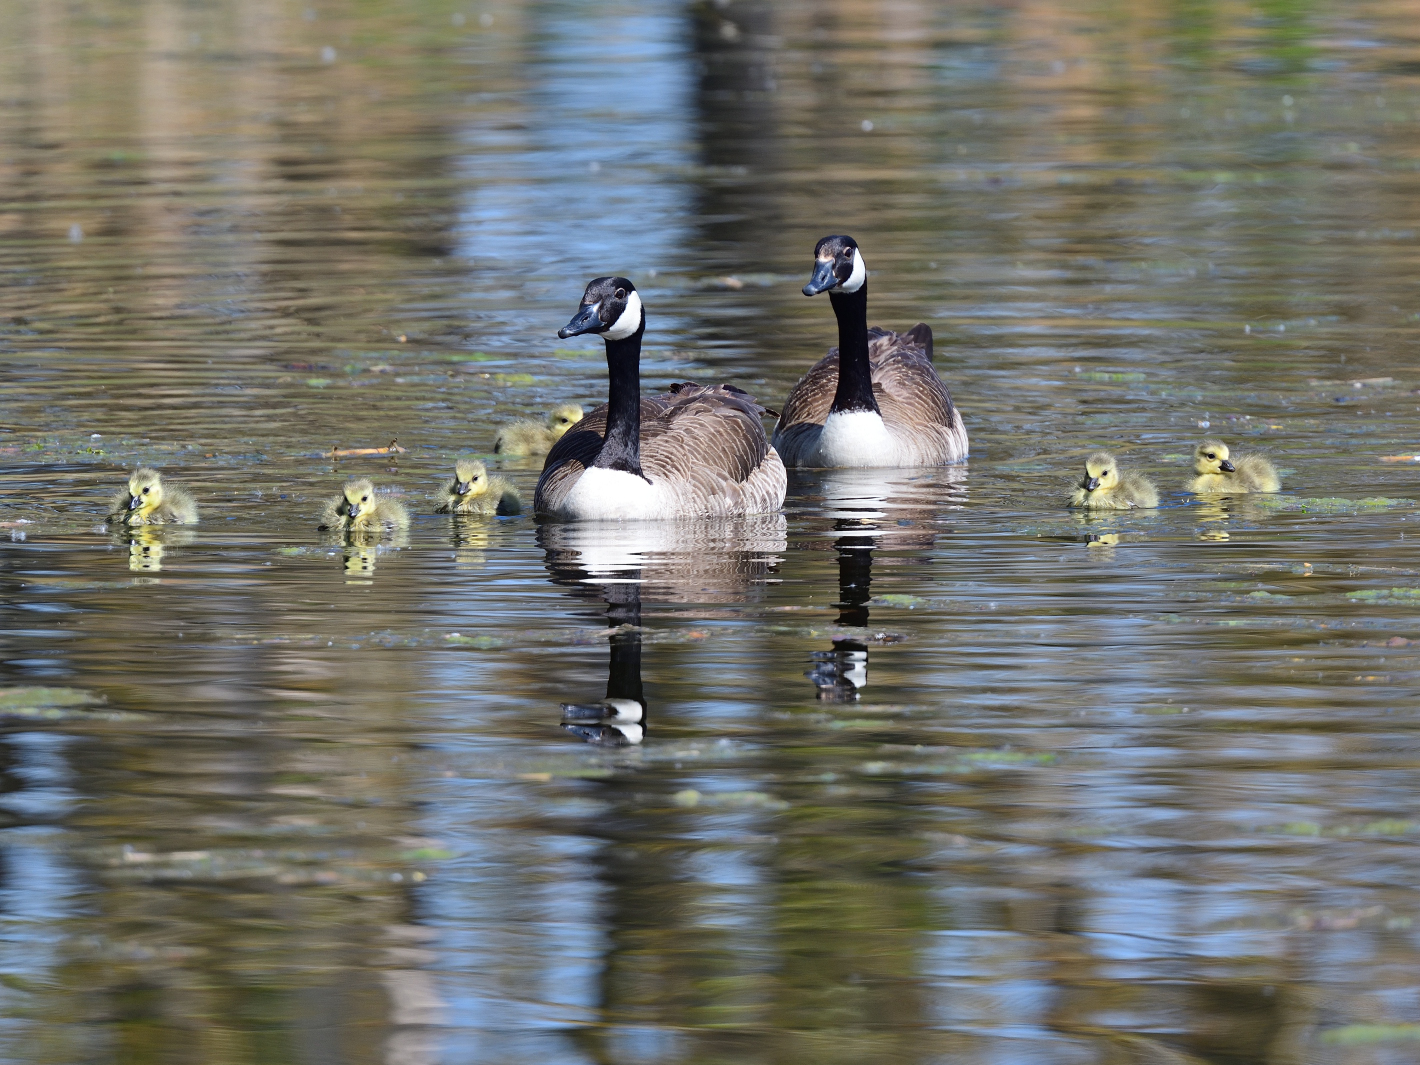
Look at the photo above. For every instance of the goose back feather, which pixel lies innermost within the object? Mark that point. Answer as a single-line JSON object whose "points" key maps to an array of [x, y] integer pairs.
{"points": [[702, 448], [923, 425]]}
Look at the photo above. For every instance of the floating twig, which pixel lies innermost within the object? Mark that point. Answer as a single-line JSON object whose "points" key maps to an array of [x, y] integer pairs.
{"points": [[337, 452]]}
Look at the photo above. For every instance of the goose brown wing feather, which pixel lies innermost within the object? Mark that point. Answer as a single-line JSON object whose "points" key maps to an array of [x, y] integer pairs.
{"points": [[706, 439], [911, 392], [904, 379]]}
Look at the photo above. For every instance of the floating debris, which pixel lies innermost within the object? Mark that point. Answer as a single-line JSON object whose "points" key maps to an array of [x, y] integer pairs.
{"points": [[337, 452]]}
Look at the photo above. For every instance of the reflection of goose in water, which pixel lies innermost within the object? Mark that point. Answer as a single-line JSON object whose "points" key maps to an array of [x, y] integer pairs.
{"points": [[147, 545], [362, 548], [619, 720], [626, 563], [872, 508]]}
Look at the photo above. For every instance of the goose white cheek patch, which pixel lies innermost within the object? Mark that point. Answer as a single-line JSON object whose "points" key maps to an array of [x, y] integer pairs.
{"points": [[630, 319], [859, 274]]}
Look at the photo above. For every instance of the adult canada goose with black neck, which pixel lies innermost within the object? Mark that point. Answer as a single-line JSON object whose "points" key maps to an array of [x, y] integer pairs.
{"points": [[694, 452], [876, 399]]}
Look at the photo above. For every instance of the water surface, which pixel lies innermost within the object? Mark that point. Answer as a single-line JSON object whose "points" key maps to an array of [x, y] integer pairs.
{"points": [[934, 770]]}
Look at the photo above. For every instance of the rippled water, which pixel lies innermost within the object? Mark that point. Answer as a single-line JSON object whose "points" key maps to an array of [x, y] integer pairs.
{"points": [[933, 770]]}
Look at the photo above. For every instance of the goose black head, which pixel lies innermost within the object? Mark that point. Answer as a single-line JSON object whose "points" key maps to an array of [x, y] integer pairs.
{"points": [[837, 264], [610, 307]]}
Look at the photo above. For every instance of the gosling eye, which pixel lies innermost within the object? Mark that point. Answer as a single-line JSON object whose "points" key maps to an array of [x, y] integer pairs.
{"points": [[146, 491], [364, 499], [1211, 456]]}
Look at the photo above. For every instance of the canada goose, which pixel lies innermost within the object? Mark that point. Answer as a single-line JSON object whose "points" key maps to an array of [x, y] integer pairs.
{"points": [[472, 491], [148, 501], [696, 451], [1104, 488], [888, 406], [359, 508], [536, 438], [1218, 473]]}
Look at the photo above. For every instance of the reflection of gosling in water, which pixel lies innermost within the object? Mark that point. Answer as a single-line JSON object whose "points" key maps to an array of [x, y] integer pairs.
{"points": [[536, 438], [1218, 472], [1104, 488], [472, 491], [359, 508], [148, 501]]}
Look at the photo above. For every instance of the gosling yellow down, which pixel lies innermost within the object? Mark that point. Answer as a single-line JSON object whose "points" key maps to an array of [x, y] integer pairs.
{"points": [[472, 491], [359, 508], [148, 501], [536, 438], [1104, 488], [1218, 472]]}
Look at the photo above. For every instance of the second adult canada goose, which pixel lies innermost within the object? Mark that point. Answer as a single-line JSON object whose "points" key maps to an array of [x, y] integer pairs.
{"points": [[693, 452], [149, 501], [1218, 472], [1104, 488], [876, 399]]}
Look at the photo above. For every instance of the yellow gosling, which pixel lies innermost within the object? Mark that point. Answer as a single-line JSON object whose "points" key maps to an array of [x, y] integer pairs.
{"points": [[472, 491], [1104, 488], [359, 508], [1219, 472], [148, 501], [536, 438]]}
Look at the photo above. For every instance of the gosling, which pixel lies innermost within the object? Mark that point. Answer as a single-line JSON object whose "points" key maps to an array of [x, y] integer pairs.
{"points": [[148, 501], [1103, 488], [1218, 472], [472, 491], [359, 508], [535, 438]]}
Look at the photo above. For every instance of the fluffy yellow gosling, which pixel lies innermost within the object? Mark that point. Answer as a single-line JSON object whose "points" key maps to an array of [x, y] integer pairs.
{"points": [[536, 438], [1104, 488], [359, 508], [148, 501], [1218, 472], [473, 491]]}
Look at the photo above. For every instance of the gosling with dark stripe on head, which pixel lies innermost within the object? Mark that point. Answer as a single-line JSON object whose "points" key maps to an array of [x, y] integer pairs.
{"points": [[1104, 488], [876, 399], [1219, 473], [694, 452]]}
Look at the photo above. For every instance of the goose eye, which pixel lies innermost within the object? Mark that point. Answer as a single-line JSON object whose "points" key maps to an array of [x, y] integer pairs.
{"points": [[621, 293]]}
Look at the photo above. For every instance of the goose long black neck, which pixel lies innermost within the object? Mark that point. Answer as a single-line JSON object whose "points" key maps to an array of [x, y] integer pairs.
{"points": [[855, 376], [621, 447]]}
